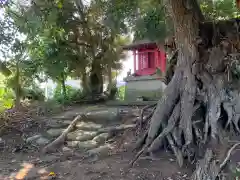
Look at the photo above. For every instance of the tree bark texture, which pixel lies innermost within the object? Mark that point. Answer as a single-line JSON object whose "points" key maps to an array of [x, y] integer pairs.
{"points": [[64, 90], [17, 87], [85, 82], [110, 83], [190, 115]]}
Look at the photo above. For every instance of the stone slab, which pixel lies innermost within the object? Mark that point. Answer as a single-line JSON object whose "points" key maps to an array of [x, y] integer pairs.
{"points": [[80, 135]]}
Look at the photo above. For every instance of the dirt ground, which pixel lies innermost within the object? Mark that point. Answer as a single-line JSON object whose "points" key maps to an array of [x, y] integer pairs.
{"points": [[31, 164], [34, 165]]}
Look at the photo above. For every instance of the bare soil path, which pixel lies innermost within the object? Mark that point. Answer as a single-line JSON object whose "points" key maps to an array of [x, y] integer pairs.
{"points": [[18, 161]]}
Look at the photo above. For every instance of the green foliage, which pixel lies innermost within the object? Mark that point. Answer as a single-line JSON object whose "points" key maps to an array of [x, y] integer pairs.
{"points": [[73, 94], [112, 91], [148, 18], [49, 107], [159, 72], [219, 9], [34, 94], [6, 98], [121, 93], [66, 38]]}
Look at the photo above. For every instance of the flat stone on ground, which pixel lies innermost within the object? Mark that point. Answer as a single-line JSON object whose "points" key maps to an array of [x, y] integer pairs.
{"points": [[100, 151], [80, 135], [83, 146], [33, 138], [117, 128], [87, 145], [55, 132], [42, 141], [106, 114], [57, 124], [90, 126], [72, 144], [101, 138], [38, 139]]}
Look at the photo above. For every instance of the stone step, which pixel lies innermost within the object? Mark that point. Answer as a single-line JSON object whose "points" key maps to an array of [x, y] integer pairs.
{"points": [[94, 119], [54, 132], [87, 131], [83, 125], [90, 126], [64, 117], [104, 115], [100, 151], [82, 146], [117, 128], [80, 135], [101, 138], [58, 124], [38, 140]]}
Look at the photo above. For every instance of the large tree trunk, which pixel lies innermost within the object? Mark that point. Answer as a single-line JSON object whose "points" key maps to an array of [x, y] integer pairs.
{"points": [[85, 82], [96, 78], [191, 114]]}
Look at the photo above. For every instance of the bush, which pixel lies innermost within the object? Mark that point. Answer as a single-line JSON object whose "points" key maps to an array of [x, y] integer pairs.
{"points": [[121, 93], [34, 94], [49, 107], [6, 98], [73, 94]]}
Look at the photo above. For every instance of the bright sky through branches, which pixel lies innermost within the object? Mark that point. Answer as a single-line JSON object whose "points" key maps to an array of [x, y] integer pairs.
{"points": [[3, 2], [127, 64]]}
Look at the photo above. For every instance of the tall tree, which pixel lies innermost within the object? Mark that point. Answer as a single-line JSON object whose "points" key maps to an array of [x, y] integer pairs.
{"points": [[70, 36], [190, 114]]}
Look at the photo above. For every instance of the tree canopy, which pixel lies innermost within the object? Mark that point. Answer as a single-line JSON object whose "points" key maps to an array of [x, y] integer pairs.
{"points": [[61, 39]]}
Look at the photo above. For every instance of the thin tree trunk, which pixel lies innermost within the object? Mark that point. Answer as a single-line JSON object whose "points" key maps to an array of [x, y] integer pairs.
{"points": [[96, 78], [17, 87], [85, 82], [110, 84], [100, 87], [64, 90]]}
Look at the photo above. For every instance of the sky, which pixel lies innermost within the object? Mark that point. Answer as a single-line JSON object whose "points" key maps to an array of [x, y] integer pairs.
{"points": [[127, 64]]}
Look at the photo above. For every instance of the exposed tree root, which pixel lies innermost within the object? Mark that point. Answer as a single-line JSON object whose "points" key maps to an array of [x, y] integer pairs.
{"points": [[208, 168], [141, 141], [142, 118], [205, 77], [197, 109], [223, 164], [60, 140], [171, 124]]}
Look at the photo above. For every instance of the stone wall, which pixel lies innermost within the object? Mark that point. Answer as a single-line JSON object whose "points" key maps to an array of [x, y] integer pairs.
{"points": [[147, 86]]}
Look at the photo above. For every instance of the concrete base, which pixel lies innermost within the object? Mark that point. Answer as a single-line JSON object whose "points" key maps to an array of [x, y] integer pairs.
{"points": [[148, 86]]}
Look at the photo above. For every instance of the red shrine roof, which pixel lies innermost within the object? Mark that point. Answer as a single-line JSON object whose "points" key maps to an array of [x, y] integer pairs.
{"points": [[139, 44]]}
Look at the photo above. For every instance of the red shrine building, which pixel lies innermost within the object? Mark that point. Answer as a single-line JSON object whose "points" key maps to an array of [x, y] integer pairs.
{"points": [[147, 57], [144, 82]]}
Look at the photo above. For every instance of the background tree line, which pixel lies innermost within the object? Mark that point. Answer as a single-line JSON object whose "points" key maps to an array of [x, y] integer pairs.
{"points": [[57, 39]]}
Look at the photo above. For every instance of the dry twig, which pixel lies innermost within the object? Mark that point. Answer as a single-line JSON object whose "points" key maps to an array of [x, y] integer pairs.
{"points": [[62, 137]]}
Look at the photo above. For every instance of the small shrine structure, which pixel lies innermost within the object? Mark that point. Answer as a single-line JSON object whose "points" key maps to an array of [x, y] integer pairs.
{"points": [[144, 82], [147, 57]]}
